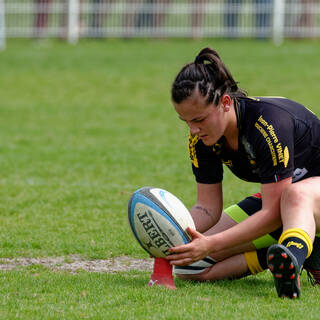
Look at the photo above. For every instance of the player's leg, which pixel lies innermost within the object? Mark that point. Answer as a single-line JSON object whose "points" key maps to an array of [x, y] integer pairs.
{"points": [[237, 266], [241, 265], [312, 264], [232, 267], [235, 214], [300, 214], [251, 257], [229, 268]]}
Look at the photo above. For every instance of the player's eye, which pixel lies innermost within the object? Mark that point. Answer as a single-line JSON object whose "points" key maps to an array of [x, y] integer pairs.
{"points": [[198, 120]]}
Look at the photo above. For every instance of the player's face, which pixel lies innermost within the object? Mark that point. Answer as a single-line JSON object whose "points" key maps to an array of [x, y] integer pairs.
{"points": [[207, 121]]}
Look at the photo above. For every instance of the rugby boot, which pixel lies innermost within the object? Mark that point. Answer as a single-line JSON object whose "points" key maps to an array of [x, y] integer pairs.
{"points": [[284, 267], [312, 264]]}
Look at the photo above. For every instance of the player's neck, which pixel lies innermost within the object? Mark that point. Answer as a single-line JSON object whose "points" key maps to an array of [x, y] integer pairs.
{"points": [[232, 132]]}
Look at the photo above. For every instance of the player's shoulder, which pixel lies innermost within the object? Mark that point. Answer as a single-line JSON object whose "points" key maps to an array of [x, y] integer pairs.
{"points": [[270, 104], [266, 102], [265, 118], [271, 108]]}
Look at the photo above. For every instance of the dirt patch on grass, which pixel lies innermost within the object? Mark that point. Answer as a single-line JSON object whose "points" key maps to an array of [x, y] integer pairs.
{"points": [[75, 263]]}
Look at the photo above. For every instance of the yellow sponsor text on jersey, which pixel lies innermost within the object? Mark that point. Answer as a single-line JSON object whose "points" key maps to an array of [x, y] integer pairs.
{"points": [[227, 163], [269, 142], [192, 149], [286, 156], [217, 148]]}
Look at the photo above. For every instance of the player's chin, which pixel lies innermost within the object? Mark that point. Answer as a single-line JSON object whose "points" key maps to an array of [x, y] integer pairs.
{"points": [[208, 141]]}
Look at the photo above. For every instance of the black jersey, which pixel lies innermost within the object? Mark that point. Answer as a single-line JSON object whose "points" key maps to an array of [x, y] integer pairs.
{"points": [[278, 138]]}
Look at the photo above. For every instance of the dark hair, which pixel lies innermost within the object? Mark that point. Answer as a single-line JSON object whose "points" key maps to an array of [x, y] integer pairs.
{"points": [[209, 75]]}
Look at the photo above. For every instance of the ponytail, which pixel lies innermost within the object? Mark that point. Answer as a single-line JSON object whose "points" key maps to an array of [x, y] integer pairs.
{"points": [[209, 75]]}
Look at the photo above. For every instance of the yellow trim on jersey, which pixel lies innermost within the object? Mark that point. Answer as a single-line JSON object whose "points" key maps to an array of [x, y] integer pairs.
{"points": [[192, 149], [300, 234], [273, 97], [253, 262], [270, 97], [285, 156], [253, 98], [238, 215]]}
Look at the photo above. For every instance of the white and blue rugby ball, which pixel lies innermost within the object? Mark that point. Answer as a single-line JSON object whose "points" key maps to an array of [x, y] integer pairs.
{"points": [[158, 220]]}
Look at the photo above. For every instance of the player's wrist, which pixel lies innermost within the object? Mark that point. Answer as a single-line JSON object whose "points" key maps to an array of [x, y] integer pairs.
{"points": [[215, 243]]}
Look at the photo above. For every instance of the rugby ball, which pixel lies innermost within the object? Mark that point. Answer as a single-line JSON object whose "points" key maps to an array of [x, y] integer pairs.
{"points": [[158, 220], [196, 267]]}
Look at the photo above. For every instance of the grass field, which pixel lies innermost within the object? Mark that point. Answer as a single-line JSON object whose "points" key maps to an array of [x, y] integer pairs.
{"points": [[84, 126]]}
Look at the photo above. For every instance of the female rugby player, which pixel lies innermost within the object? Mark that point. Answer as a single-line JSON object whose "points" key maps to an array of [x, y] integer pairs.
{"points": [[273, 141]]}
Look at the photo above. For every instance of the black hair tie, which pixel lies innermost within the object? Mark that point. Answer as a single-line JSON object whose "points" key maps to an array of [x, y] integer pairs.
{"points": [[234, 87], [198, 60]]}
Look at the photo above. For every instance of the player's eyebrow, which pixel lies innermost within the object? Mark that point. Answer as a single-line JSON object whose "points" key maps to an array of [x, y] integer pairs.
{"points": [[194, 119]]}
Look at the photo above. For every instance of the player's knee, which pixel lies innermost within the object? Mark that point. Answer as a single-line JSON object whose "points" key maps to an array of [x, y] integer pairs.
{"points": [[294, 194]]}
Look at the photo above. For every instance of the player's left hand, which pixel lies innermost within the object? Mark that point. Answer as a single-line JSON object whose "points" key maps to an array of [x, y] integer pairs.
{"points": [[191, 252]]}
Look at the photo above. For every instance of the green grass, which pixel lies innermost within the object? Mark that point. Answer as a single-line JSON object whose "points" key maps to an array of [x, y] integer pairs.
{"points": [[84, 126], [36, 293]]}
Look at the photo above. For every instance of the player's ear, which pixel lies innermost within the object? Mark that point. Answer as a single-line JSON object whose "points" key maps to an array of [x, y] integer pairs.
{"points": [[226, 102]]}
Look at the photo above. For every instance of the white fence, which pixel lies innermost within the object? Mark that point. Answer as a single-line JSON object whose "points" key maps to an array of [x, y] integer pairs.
{"points": [[73, 19]]}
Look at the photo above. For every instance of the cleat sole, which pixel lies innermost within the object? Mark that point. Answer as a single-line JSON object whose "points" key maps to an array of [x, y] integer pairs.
{"points": [[285, 271], [270, 256]]}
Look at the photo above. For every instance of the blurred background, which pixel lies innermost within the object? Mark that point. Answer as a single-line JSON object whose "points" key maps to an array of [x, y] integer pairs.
{"points": [[85, 125], [74, 19]]}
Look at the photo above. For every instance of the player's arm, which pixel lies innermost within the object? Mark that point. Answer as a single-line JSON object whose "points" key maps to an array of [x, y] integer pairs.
{"points": [[207, 210], [262, 222]]}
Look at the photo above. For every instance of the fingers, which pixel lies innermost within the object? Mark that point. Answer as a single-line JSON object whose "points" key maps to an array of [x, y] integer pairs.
{"points": [[191, 252], [181, 261], [179, 256], [188, 253], [182, 255], [193, 233], [189, 246], [181, 249]]}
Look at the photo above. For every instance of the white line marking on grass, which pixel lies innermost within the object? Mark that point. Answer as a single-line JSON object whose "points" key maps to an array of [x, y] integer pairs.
{"points": [[74, 263]]}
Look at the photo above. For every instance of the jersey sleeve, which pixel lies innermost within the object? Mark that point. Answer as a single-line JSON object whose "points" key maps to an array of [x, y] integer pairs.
{"points": [[272, 137], [206, 165]]}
